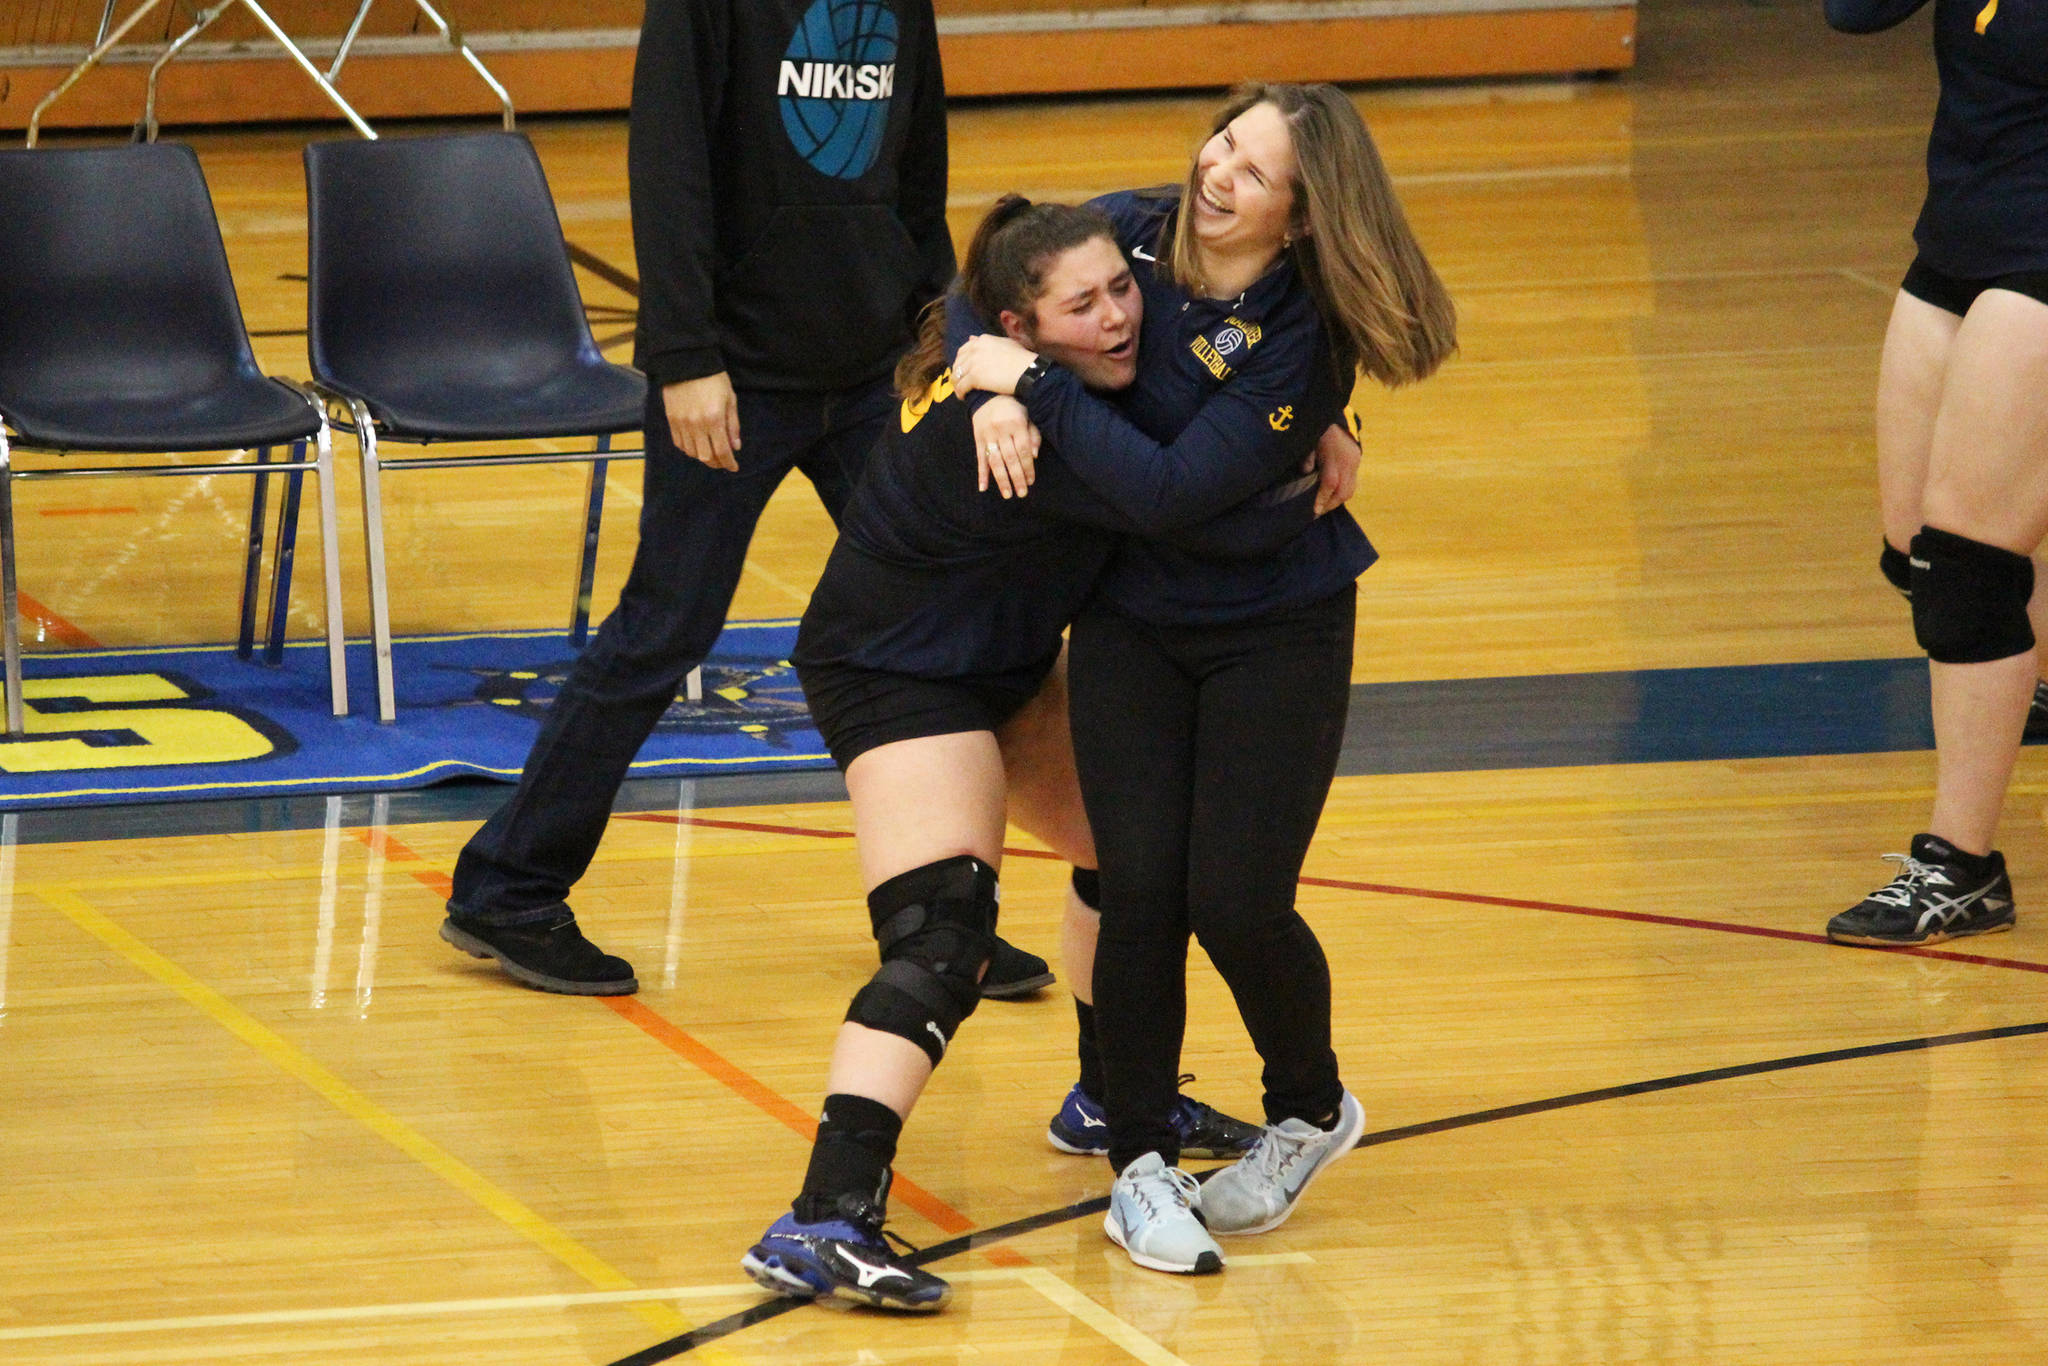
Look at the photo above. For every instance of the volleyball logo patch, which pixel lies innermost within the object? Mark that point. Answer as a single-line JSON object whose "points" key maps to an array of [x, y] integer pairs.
{"points": [[835, 84]]}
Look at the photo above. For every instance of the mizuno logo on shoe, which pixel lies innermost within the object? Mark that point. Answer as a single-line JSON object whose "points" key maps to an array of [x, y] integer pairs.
{"points": [[867, 1275]]}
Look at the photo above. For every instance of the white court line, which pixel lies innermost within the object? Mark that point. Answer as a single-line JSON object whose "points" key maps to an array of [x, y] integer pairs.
{"points": [[1858, 277], [1057, 1291], [355, 1313]]}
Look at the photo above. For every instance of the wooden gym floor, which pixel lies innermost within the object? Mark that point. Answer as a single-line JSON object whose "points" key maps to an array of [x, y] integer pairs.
{"points": [[1625, 1105]]}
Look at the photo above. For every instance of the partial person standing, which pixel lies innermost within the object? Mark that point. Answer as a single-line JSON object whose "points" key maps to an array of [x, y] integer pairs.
{"points": [[1962, 448], [787, 161]]}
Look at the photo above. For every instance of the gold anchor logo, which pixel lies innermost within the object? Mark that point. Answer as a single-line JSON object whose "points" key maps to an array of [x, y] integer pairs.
{"points": [[1283, 419]]}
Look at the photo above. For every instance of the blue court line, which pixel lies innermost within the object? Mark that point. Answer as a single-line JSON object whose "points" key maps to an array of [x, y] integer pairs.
{"points": [[1640, 716], [1643, 716]]}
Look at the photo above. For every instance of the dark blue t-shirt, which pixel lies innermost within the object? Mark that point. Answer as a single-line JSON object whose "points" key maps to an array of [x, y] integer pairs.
{"points": [[1986, 212]]}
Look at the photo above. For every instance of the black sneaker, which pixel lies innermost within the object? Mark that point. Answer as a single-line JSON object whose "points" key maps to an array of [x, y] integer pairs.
{"points": [[842, 1257], [549, 954], [1933, 898], [2037, 715], [1203, 1130], [1013, 972]]}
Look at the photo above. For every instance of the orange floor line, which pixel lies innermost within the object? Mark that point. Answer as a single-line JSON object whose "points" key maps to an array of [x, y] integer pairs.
{"points": [[58, 629], [771, 1102], [735, 1079]]}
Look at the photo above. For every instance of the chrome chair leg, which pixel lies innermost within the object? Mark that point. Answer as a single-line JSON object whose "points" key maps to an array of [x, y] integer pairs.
{"points": [[330, 564], [10, 602], [252, 568], [586, 564], [373, 538], [281, 568]]}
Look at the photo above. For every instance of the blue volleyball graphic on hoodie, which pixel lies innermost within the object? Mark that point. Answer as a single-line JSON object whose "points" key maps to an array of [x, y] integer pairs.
{"points": [[836, 82]]}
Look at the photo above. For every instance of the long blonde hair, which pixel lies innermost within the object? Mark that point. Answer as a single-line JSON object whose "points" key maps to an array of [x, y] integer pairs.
{"points": [[1382, 301]]}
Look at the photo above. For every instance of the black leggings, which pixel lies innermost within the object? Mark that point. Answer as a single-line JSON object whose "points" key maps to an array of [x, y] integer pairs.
{"points": [[1205, 755]]}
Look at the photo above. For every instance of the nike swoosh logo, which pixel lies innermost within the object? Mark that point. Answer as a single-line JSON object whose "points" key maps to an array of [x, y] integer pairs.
{"points": [[1144, 255], [937, 1034]]}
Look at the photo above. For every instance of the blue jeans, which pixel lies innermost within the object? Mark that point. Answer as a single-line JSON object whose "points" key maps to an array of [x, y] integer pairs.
{"points": [[695, 525]]}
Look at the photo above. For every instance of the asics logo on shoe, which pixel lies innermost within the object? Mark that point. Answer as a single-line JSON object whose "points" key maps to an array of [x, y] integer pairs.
{"points": [[1946, 910], [868, 1274]]}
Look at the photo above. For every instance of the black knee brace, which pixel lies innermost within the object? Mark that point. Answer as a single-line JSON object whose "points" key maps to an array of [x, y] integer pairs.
{"points": [[936, 926], [1970, 599], [1897, 567], [1088, 886]]}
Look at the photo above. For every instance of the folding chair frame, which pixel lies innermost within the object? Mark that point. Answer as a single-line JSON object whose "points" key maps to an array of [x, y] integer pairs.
{"points": [[374, 463], [203, 19], [321, 466]]}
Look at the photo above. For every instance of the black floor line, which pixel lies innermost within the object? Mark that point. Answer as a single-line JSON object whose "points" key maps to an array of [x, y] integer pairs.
{"points": [[761, 1313]]}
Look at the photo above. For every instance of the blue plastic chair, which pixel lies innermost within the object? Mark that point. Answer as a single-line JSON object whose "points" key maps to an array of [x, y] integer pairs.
{"points": [[441, 306], [120, 332]]}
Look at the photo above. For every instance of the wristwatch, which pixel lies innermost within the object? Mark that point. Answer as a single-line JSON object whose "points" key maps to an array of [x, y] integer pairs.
{"points": [[1027, 381]]}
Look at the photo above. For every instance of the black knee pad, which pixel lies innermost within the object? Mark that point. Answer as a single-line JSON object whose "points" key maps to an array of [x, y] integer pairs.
{"points": [[936, 927], [1088, 886], [1970, 599], [1897, 567]]}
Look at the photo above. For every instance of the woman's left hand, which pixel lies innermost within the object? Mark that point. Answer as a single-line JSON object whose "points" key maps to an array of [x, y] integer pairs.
{"points": [[1337, 456], [992, 364]]}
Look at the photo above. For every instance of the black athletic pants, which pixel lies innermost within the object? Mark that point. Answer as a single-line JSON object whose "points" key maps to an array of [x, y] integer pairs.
{"points": [[695, 525], [1205, 755]]}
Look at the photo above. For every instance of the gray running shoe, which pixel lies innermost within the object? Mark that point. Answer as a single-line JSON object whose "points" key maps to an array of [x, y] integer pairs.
{"points": [[1260, 1189], [1152, 1218]]}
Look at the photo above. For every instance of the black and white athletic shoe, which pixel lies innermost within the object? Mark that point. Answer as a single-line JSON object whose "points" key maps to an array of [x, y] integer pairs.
{"points": [[1940, 893], [842, 1257], [1081, 1128]]}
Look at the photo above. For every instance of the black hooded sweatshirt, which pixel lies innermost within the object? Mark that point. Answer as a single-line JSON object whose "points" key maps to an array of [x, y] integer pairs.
{"points": [[788, 170]]}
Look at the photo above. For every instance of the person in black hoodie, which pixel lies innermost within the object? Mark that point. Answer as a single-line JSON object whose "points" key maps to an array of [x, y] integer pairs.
{"points": [[787, 161], [1962, 451]]}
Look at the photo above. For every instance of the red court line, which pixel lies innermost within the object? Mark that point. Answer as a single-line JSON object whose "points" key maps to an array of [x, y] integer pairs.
{"points": [[82, 512], [60, 630], [670, 818], [1679, 921], [1469, 898]]}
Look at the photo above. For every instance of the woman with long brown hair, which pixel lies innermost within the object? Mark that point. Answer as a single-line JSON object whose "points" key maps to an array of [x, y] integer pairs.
{"points": [[1208, 699]]}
